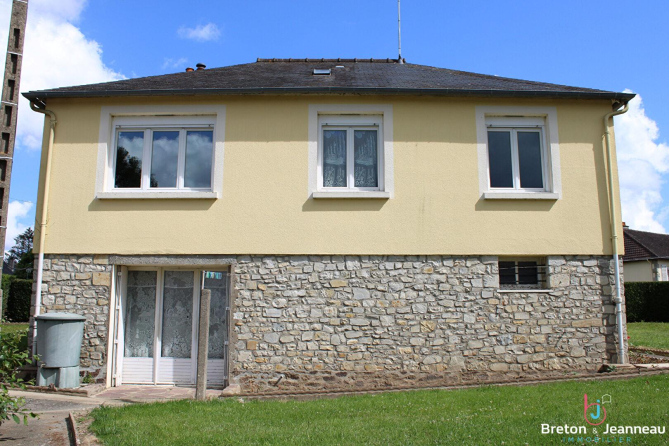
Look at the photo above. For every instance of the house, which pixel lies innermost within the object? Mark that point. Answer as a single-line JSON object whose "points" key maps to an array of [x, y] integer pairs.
{"points": [[359, 222], [646, 258]]}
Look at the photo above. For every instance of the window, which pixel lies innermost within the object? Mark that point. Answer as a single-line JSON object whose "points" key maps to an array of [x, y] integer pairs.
{"points": [[521, 273], [516, 158], [164, 158], [158, 152], [351, 151], [518, 152]]}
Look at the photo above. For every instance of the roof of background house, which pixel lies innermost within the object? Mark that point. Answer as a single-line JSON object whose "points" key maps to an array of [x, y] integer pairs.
{"points": [[642, 245], [362, 76]]}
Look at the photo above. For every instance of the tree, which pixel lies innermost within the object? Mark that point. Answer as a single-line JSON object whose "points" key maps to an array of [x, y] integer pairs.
{"points": [[22, 254]]}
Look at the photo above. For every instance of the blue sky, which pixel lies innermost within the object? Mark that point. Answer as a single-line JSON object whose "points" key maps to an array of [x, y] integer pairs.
{"points": [[612, 45]]}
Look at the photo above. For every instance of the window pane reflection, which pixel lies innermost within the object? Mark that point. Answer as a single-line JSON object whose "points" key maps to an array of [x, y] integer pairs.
{"points": [[530, 160], [164, 158], [198, 170], [129, 149], [500, 159]]}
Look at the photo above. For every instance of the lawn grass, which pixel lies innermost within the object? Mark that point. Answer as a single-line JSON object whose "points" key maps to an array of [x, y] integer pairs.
{"points": [[648, 334], [13, 327], [9, 328], [478, 416]]}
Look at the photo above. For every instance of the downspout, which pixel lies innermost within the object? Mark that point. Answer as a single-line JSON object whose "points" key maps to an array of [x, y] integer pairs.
{"points": [[621, 357], [43, 220]]}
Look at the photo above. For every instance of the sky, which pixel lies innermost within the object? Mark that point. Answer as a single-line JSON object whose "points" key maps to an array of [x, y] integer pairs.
{"points": [[615, 45]]}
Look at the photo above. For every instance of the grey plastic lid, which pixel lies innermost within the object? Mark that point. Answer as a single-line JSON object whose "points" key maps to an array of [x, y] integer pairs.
{"points": [[60, 317]]}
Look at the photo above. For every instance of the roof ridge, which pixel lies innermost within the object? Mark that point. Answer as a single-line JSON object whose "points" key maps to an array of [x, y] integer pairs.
{"points": [[651, 251], [339, 59]]}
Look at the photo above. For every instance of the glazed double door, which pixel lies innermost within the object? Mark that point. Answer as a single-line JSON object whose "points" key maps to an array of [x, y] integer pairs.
{"points": [[158, 329]]}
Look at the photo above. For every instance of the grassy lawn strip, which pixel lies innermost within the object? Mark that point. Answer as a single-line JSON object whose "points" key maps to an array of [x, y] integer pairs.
{"points": [[648, 334], [13, 327], [487, 415]]}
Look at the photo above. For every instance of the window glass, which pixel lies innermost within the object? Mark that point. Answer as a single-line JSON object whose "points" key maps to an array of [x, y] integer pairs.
{"points": [[530, 160], [139, 321], [164, 159], [177, 314], [528, 273], [500, 159], [365, 158], [335, 158], [198, 170], [129, 148], [507, 272]]}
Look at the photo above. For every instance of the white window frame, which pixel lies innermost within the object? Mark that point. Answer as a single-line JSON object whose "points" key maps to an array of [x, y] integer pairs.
{"points": [[351, 117], [512, 119], [148, 119]]}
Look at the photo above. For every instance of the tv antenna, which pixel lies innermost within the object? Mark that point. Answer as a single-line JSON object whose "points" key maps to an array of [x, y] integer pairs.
{"points": [[399, 47]]}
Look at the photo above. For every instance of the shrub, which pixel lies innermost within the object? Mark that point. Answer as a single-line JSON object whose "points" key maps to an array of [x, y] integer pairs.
{"points": [[13, 355], [7, 280], [18, 304], [646, 301]]}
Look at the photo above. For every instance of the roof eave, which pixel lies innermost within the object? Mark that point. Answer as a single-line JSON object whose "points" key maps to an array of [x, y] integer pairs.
{"points": [[46, 94]]}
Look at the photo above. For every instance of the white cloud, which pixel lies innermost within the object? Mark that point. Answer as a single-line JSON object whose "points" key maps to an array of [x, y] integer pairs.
{"points": [[643, 169], [174, 63], [17, 211], [200, 33], [55, 54]]}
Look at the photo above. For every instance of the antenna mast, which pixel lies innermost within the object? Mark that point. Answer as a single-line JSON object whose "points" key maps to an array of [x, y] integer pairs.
{"points": [[399, 48]]}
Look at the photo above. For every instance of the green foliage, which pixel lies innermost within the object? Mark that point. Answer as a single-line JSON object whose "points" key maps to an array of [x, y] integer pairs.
{"points": [[13, 355], [646, 301], [18, 305], [24, 269], [7, 280], [481, 416], [648, 334]]}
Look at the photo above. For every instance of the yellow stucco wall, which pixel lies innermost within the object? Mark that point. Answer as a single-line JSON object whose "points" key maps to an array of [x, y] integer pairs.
{"points": [[638, 271], [264, 208]]}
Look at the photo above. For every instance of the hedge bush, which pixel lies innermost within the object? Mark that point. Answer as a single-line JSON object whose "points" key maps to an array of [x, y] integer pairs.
{"points": [[18, 304], [7, 280], [646, 301]]}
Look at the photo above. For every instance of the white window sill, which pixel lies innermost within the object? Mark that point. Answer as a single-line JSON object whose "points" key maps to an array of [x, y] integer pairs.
{"points": [[353, 194], [523, 291], [172, 195], [495, 195]]}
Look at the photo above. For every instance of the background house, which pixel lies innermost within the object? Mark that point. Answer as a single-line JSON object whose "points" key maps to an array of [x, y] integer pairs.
{"points": [[646, 258], [359, 222]]}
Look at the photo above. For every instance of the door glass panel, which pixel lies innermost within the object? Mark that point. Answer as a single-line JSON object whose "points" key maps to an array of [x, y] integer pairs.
{"points": [[334, 158], [365, 158], [177, 314], [530, 160], [500, 159], [217, 282], [140, 314], [164, 158]]}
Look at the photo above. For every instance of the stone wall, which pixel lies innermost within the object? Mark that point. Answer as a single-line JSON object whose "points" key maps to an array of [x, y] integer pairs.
{"points": [[314, 322], [372, 321], [80, 284]]}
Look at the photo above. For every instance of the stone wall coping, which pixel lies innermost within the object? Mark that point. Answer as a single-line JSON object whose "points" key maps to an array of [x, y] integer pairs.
{"points": [[187, 260]]}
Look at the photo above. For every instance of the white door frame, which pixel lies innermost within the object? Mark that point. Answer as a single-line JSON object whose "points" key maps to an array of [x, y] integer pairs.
{"points": [[121, 307]]}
